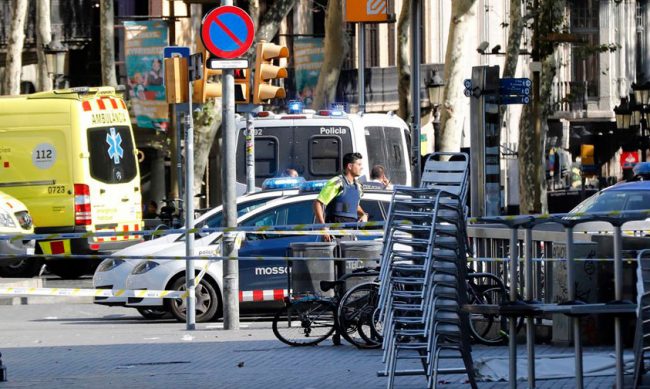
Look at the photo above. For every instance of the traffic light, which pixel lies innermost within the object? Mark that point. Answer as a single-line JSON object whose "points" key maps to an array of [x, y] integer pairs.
{"points": [[176, 89], [266, 72], [242, 86], [206, 88]]}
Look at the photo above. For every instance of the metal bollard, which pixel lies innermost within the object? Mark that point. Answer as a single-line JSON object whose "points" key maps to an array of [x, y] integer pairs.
{"points": [[3, 371]]}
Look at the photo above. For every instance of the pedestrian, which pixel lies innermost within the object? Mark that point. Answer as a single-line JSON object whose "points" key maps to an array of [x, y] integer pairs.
{"points": [[151, 210], [290, 173], [339, 200], [378, 176]]}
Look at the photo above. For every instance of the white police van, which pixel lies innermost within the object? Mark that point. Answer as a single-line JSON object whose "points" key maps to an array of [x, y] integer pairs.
{"points": [[314, 142]]}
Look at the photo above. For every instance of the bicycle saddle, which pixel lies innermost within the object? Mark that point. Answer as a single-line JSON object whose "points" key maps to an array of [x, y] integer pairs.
{"points": [[328, 285]]}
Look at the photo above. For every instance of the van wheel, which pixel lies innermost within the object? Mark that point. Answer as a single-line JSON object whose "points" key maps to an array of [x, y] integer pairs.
{"points": [[67, 269], [22, 268], [207, 301]]}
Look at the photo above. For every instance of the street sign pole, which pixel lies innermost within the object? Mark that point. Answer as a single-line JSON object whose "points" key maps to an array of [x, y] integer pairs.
{"points": [[228, 32], [249, 109], [189, 214], [361, 87], [416, 142]]}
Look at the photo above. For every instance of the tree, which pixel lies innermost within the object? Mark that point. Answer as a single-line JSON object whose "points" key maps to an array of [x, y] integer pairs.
{"points": [[336, 49], [451, 121], [14, 61], [107, 42], [533, 126], [403, 69], [43, 38]]}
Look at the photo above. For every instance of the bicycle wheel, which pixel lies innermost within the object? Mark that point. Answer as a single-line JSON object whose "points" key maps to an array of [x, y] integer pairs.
{"points": [[372, 330], [355, 315], [488, 329], [304, 323]]}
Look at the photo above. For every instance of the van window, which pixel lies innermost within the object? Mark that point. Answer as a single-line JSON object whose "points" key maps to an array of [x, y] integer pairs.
{"points": [[266, 156], [325, 155], [112, 160], [385, 148]]}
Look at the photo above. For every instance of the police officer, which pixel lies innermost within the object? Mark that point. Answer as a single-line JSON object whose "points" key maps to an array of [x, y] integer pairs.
{"points": [[338, 201]]}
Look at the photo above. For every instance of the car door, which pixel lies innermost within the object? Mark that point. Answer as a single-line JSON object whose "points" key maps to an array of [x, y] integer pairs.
{"points": [[265, 275]]}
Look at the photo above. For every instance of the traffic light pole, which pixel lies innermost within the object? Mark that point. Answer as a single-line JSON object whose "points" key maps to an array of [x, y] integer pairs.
{"points": [[190, 315], [249, 109], [416, 153], [228, 158]]}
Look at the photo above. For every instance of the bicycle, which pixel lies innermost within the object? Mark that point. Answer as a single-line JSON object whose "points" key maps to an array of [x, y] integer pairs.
{"points": [[310, 319], [488, 329]]}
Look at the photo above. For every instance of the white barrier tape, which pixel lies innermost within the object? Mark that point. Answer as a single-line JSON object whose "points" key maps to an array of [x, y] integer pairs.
{"points": [[75, 292], [183, 258], [483, 259], [295, 229]]}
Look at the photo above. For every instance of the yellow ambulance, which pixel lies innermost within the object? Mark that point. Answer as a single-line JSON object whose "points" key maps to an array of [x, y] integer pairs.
{"points": [[70, 156]]}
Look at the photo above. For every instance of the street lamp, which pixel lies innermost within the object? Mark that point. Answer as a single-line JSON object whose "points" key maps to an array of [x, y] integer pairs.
{"points": [[436, 90], [623, 115], [641, 94], [55, 56]]}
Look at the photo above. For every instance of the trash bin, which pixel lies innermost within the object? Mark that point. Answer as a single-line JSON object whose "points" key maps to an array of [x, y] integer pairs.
{"points": [[369, 252], [307, 275]]}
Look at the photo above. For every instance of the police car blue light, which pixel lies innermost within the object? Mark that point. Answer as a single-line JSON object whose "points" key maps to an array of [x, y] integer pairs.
{"points": [[338, 109], [295, 106], [642, 169], [283, 183], [313, 186]]}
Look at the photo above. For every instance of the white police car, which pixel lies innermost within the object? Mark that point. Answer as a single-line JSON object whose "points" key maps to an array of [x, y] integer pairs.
{"points": [[262, 283], [112, 271]]}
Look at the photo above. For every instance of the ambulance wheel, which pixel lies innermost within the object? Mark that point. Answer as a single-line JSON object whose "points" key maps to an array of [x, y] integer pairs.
{"points": [[22, 268], [67, 269], [207, 302]]}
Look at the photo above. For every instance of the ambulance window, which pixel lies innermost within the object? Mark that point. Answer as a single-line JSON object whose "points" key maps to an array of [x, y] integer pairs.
{"points": [[266, 156], [111, 154], [325, 153]]}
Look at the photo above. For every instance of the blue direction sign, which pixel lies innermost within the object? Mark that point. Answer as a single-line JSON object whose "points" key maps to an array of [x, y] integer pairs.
{"points": [[227, 32], [515, 86], [505, 100], [176, 51]]}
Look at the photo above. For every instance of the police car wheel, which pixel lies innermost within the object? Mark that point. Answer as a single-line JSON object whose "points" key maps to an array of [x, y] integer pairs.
{"points": [[154, 313], [207, 301]]}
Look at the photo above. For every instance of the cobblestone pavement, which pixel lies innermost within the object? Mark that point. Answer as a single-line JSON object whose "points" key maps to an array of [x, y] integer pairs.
{"points": [[86, 346]]}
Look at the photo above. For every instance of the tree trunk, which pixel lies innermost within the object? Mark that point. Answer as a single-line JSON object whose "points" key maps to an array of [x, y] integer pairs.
{"points": [[335, 51], [14, 59], [107, 42], [532, 166], [43, 37], [451, 121], [274, 15], [403, 68], [206, 125], [254, 11], [516, 29]]}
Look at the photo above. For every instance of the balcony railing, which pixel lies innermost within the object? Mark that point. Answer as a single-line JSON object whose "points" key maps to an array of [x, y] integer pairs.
{"points": [[568, 96]]}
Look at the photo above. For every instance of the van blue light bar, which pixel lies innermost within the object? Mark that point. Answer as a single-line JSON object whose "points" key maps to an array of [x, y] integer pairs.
{"points": [[313, 186], [295, 106], [283, 183]]}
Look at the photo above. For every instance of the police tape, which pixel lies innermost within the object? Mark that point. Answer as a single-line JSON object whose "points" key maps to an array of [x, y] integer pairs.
{"points": [[77, 292], [566, 218], [344, 229], [484, 259], [211, 258]]}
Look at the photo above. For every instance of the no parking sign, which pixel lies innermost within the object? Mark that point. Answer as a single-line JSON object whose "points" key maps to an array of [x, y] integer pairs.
{"points": [[227, 31]]}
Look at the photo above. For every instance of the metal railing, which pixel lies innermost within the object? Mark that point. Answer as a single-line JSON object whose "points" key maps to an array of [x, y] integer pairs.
{"points": [[567, 96]]}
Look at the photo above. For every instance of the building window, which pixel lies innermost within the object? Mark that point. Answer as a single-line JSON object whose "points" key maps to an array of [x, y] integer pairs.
{"points": [[585, 24], [372, 45]]}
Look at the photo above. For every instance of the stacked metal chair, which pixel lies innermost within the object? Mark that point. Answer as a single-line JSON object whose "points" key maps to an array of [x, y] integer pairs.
{"points": [[642, 339], [423, 270]]}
